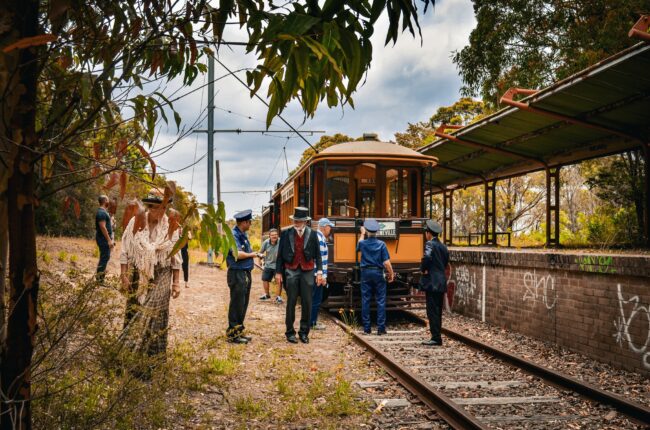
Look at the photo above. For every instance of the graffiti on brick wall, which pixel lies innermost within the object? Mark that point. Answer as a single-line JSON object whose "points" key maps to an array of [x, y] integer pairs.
{"points": [[540, 288], [596, 263], [624, 322], [466, 287]]}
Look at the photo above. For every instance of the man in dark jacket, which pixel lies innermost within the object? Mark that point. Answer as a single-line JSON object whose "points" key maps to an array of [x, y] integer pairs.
{"points": [[434, 281], [298, 256]]}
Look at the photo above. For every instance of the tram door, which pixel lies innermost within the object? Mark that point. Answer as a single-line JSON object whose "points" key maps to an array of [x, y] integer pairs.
{"points": [[365, 179]]}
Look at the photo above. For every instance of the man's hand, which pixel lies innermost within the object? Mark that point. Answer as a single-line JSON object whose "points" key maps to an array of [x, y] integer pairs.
{"points": [[278, 279], [176, 290], [362, 230], [111, 244], [319, 279], [391, 276]]}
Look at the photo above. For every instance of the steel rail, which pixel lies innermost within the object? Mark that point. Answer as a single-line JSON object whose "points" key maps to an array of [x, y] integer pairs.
{"points": [[632, 409], [452, 413]]}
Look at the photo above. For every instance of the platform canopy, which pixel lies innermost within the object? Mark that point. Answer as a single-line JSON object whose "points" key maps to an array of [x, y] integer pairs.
{"points": [[599, 111]]}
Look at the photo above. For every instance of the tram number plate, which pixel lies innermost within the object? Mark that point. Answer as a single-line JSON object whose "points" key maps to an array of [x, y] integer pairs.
{"points": [[387, 229]]}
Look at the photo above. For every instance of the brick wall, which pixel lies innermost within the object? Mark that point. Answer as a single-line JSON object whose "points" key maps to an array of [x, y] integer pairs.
{"points": [[596, 304]]}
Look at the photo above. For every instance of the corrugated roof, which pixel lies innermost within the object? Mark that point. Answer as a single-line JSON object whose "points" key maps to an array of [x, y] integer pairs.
{"points": [[613, 94]]}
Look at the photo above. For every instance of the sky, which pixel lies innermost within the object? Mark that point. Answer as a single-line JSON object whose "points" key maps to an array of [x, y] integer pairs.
{"points": [[406, 82]]}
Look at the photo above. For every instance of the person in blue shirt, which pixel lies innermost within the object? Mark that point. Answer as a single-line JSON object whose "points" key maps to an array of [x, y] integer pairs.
{"points": [[103, 236], [434, 280], [374, 260], [239, 278]]}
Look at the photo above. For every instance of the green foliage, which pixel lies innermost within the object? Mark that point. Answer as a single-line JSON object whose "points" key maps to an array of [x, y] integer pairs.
{"points": [[62, 256], [462, 112], [532, 43], [316, 51]]}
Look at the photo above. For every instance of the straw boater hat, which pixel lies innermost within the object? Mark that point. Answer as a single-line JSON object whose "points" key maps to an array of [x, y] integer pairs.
{"points": [[155, 196], [300, 214]]}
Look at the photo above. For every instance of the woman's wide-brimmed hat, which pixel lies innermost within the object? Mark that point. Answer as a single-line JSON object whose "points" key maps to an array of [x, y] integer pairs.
{"points": [[154, 196], [300, 214]]}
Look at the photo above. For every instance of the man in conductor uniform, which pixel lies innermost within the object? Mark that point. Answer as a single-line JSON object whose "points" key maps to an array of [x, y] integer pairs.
{"points": [[239, 278], [298, 257], [434, 281], [374, 260]]}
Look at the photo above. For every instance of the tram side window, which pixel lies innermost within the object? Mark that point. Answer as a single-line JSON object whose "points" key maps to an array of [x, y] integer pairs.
{"points": [[318, 185], [338, 190]]}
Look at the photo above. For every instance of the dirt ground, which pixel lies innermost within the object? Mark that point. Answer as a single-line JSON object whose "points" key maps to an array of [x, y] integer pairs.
{"points": [[274, 384]]}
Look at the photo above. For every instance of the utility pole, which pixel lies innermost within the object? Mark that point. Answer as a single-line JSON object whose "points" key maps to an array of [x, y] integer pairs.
{"points": [[210, 138], [218, 181], [211, 131]]}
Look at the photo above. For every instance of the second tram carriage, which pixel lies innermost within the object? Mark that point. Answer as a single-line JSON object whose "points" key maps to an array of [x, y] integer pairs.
{"points": [[347, 183]]}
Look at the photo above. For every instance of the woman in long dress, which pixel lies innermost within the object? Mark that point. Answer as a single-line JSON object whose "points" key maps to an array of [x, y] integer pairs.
{"points": [[147, 242]]}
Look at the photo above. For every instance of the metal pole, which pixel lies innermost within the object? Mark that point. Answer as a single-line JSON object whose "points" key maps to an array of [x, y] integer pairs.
{"points": [[218, 174], [210, 138]]}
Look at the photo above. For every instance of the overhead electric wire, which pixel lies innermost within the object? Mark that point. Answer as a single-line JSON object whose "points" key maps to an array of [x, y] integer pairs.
{"points": [[265, 103]]}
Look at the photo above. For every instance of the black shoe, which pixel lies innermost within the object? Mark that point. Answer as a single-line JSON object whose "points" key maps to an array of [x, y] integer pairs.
{"points": [[239, 340], [247, 338], [381, 332], [304, 338], [292, 339], [366, 332], [432, 342]]}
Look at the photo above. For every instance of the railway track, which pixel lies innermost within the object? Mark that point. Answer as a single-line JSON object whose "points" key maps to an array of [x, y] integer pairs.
{"points": [[475, 386]]}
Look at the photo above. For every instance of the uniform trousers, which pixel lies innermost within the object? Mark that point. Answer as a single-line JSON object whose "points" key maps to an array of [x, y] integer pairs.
{"points": [[373, 284], [239, 282], [434, 314], [299, 282]]}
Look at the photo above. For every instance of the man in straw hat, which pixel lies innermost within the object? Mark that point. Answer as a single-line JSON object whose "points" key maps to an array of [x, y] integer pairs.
{"points": [[434, 280], [299, 255]]}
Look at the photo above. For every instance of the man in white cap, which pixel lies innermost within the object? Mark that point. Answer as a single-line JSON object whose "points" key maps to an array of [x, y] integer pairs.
{"points": [[298, 257], [324, 230]]}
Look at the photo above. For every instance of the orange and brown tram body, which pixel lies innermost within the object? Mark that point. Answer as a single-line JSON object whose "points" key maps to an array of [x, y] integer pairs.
{"points": [[347, 183]]}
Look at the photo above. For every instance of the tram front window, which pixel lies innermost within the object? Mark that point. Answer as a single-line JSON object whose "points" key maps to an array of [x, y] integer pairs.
{"points": [[401, 193], [338, 191]]}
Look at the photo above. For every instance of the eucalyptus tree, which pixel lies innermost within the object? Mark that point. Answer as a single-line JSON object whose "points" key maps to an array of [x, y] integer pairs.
{"points": [[69, 68]]}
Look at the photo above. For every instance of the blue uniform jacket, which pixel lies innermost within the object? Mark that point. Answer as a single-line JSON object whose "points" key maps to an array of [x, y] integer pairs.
{"points": [[434, 261], [373, 253], [242, 245]]}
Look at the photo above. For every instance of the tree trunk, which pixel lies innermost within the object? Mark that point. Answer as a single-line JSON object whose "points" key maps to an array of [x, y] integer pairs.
{"points": [[19, 131], [4, 252]]}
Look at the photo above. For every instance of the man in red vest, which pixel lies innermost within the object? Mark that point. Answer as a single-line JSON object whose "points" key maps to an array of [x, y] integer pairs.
{"points": [[298, 256]]}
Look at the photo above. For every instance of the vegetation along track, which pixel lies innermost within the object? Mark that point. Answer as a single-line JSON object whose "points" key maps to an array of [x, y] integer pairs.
{"points": [[472, 385]]}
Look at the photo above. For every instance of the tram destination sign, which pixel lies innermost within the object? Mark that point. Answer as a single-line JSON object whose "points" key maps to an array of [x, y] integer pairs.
{"points": [[387, 229]]}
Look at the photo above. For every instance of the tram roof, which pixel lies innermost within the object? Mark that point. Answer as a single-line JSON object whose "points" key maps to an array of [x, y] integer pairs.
{"points": [[602, 110], [363, 149]]}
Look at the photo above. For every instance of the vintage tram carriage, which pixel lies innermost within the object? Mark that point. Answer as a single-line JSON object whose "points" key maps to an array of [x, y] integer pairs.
{"points": [[347, 183]]}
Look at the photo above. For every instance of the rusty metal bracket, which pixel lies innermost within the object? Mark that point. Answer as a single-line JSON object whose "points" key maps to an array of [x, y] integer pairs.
{"points": [[508, 99], [640, 29]]}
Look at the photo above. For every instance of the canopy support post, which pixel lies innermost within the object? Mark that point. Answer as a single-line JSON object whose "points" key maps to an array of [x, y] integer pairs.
{"points": [[553, 207], [490, 213], [447, 216], [646, 190]]}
